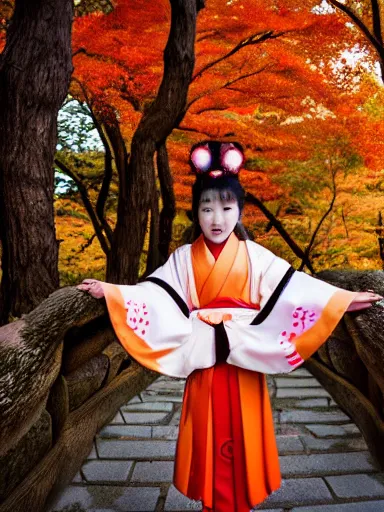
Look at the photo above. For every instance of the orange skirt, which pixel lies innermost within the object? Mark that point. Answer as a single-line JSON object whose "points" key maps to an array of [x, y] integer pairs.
{"points": [[226, 452]]}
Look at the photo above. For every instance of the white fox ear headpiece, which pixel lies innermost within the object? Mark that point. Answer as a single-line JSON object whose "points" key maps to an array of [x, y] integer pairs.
{"points": [[216, 158]]}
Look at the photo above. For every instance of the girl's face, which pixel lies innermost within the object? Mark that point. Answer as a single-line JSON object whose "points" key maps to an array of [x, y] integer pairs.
{"points": [[218, 214]]}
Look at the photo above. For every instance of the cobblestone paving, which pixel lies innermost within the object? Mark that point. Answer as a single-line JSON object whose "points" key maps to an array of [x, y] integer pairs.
{"points": [[325, 463]]}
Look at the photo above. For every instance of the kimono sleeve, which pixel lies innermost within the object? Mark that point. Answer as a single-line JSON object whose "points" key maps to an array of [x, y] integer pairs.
{"points": [[299, 321], [155, 331]]}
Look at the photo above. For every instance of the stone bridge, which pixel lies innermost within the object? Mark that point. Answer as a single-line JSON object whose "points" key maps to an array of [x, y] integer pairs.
{"points": [[75, 410]]}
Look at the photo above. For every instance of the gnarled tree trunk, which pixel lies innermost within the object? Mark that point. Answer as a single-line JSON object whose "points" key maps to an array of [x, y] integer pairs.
{"points": [[136, 195], [35, 69]]}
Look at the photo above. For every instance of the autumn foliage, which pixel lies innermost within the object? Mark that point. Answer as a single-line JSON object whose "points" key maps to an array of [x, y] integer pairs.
{"points": [[276, 76], [266, 74], [272, 78]]}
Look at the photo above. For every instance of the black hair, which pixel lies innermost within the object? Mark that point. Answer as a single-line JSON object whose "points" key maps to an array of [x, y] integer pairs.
{"points": [[229, 188]]}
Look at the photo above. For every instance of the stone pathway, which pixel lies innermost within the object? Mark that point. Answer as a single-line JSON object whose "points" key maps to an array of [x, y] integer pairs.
{"points": [[324, 460]]}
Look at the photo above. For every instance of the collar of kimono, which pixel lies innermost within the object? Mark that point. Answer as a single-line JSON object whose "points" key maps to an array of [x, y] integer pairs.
{"points": [[215, 248], [225, 277]]}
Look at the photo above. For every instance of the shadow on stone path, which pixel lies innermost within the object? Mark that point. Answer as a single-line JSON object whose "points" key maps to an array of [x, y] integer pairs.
{"points": [[324, 460]]}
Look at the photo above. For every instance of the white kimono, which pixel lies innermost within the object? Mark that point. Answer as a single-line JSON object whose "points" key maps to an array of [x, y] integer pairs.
{"points": [[160, 326]]}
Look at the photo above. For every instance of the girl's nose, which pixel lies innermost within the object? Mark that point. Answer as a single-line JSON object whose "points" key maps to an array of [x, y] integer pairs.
{"points": [[217, 216]]}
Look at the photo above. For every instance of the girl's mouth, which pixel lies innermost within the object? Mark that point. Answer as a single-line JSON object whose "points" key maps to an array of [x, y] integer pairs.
{"points": [[216, 231]]}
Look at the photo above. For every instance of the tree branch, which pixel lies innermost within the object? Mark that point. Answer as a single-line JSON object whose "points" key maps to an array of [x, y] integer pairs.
{"points": [[251, 40], [227, 85], [235, 89], [362, 27], [206, 34], [211, 109], [243, 77], [344, 222], [380, 237], [376, 21], [314, 234], [153, 255], [200, 4], [88, 243], [250, 198], [104, 190], [195, 130], [168, 211], [119, 150], [105, 185], [87, 203], [125, 95], [107, 178]]}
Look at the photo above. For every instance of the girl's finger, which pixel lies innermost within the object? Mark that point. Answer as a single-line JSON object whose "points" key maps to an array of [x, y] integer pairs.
{"points": [[84, 287], [356, 306], [365, 296], [372, 293]]}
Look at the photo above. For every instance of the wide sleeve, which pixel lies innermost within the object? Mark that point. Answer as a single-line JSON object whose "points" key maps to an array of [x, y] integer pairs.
{"points": [[298, 314], [155, 330]]}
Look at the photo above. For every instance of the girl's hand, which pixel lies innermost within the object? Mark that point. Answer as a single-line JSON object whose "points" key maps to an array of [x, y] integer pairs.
{"points": [[364, 300], [93, 287]]}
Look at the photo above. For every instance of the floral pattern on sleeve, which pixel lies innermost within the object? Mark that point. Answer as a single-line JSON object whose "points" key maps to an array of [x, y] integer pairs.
{"points": [[137, 318], [302, 320]]}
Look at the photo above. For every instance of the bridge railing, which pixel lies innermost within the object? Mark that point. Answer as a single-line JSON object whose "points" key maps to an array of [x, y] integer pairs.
{"points": [[63, 375]]}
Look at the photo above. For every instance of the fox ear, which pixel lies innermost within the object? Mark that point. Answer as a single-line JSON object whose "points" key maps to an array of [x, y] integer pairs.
{"points": [[201, 157], [231, 158]]}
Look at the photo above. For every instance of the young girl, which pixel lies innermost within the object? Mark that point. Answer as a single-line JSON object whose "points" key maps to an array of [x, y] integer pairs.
{"points": [[223, 312]]}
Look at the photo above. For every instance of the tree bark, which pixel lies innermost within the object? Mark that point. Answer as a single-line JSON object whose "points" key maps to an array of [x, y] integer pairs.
{"points": [[380, 237], [35, 69], [153, 257], [377, 32], [168, 210], [136, 194]]}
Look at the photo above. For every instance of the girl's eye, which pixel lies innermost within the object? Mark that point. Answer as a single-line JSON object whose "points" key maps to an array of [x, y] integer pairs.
{"points": [[227, 208], [206, 210]]}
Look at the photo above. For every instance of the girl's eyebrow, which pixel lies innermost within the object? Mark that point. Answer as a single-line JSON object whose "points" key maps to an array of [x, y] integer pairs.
{"points": [[206, 200]]}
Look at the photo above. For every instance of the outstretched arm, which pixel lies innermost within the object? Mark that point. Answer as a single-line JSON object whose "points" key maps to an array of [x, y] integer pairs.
{"points": [[154, 329]]}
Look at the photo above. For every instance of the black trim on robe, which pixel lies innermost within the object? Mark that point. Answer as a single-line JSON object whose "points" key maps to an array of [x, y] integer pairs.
{"points": [[221, 338], [260, 317], [173, 293], [221, 343]]}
